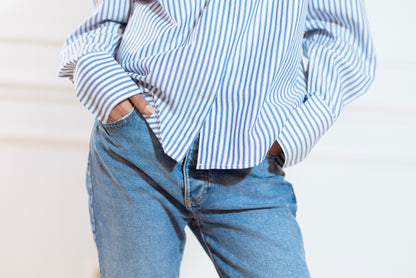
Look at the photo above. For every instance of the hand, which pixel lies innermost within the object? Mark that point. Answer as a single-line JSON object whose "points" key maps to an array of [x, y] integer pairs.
{"points": [[125, 106]]}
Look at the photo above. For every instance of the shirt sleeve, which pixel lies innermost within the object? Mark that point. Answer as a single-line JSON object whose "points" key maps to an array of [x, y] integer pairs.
{"points": [[87, 58], [341, 67]]}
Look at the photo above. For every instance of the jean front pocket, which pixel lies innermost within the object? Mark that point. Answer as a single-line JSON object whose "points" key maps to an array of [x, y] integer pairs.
{"points": [[122, 121]]}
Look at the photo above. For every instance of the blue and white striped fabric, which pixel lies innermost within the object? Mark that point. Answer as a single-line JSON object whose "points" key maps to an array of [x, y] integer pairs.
{"points": [[230, 71]]}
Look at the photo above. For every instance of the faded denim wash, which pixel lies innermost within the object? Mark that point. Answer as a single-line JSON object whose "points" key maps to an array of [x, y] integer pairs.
{"points": [[141, 200]]}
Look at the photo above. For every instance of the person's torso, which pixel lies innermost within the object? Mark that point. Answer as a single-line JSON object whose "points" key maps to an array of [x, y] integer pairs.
{"points": [[230, 71]]}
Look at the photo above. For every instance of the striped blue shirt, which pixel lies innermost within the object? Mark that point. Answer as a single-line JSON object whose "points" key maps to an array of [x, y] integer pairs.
{"points": [[240, 74]]}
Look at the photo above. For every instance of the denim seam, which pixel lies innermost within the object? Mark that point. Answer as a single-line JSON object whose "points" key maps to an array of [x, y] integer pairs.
{"points": [[91, 197], [208, 247], [93, 215], [295, 205], [201, 196]]}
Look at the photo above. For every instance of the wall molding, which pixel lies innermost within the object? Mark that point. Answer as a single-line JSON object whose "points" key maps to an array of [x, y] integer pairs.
{"points": [[36, 141], [35, 86], [37, 92], [30, 41]]}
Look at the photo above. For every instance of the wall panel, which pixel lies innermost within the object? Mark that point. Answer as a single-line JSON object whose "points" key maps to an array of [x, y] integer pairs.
{"points": [[354, 191]]}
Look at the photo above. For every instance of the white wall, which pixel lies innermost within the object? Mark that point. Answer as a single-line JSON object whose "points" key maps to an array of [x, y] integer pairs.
{"points": [[355, 191]]}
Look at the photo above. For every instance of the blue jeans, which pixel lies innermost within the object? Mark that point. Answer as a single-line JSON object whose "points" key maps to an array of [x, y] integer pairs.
{"points": [[141, 200]]}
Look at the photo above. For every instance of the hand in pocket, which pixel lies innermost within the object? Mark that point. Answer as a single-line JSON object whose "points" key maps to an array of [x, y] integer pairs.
{"points": [[125, 106]]}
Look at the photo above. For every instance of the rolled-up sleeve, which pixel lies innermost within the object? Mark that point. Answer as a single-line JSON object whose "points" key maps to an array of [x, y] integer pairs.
{"points": [[341, 67], [87, 58]]}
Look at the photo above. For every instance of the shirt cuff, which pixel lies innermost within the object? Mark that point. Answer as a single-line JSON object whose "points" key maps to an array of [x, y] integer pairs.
{"points": [[101, 83], [303, 128]]}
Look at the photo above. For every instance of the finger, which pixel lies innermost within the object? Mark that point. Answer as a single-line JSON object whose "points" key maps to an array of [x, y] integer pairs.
{"points": [[120, 110], [144, 107], [123, 107]]}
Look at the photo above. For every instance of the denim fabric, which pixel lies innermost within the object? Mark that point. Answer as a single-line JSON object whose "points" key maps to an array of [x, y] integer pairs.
{"points": [[141, 200]]}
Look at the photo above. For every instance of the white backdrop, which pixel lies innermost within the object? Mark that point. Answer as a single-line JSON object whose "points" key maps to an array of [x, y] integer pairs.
{"points": [[355, 191]]}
